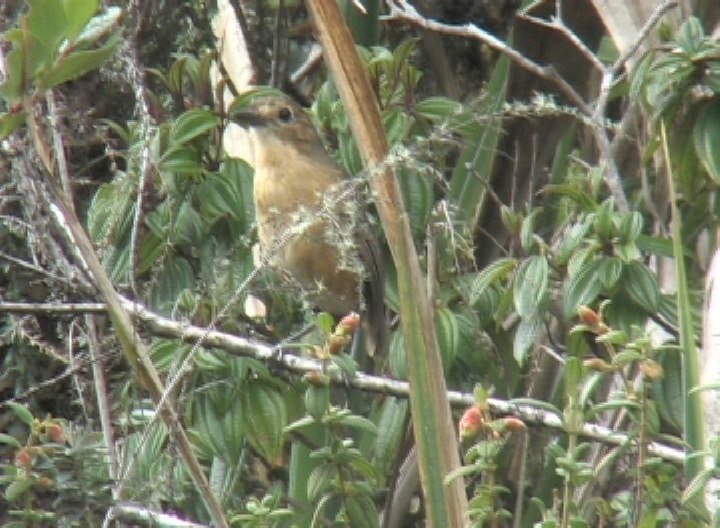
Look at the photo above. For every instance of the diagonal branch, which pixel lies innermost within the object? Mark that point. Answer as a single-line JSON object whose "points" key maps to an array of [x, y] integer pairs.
{"points": [[159, 325], [404, 11]]}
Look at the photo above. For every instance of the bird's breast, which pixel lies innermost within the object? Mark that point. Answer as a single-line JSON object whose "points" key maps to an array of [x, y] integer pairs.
{"points": [[300, 230]]}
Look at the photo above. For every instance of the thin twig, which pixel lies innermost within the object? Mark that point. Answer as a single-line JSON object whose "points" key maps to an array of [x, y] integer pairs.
{"points": [[312, 61], [556, 24], [245, 347], [134, 72], [403, 10], [103, 402], [643, 33], [612, 174], [59, 148], [57, 308]]}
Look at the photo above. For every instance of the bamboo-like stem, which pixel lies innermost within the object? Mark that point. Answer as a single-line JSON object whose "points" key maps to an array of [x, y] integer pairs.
{"points": [[432, 420]]}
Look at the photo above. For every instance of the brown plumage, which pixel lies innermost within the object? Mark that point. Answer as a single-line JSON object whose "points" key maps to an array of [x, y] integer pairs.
{"points": [[311, 220]]}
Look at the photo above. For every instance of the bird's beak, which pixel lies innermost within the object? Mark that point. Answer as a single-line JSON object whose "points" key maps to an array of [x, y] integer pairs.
{"points": [[248, 119]]}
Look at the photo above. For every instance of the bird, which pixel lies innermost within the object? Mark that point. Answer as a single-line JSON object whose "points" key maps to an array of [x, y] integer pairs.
{"points": [[311, 221]]}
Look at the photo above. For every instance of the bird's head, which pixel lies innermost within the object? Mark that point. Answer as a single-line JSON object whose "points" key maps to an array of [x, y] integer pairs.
{"points": [[278, 117]]}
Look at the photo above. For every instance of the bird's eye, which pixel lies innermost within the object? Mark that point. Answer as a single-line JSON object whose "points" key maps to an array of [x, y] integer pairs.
{"points": [[285, 114]]}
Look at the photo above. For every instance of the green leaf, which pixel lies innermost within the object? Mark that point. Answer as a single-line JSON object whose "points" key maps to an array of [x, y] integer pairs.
{"points": [[317, 400], [233, 431], [706, 137], [358, 422], [10, 440], [192, 124], [361, 512], [364, 467], [575, 193], [582, 288], [397, 360], [668, 390], [22, 412], [33, 53], [397, 126], [229, 193], [418, 196], [181, 159], [631, 226], [641, 285], [492, 274], [264, 419], [526, 333], [188, 229], [477, 159], [530, 286], [609, 271], [320, 481], [9, 122], [209, 428], [569, 242], [640, 75], [438, 108], [690, 35], [325, 323], [165, 351], [448, 335], [77, 64], [16, 77], [347, 365], [660, 246], [391, 427], [17, 489], [100, 25], [47, 23], [605, 220], [78, 13], [177, 276], [527, 231]]}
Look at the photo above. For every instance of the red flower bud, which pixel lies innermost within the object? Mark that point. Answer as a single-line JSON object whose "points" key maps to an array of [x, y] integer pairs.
{"points": [[349, 324], [589, 316], [515, 424], [56, 433], [470, 423], [23, 459]]}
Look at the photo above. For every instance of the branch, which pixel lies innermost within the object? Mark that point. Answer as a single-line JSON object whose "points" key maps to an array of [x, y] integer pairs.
{"points": [[556, 24], [446, 505], [252, 348], [245, 347], [609, 74], [57, 308], [143, 516], [402, 10]]}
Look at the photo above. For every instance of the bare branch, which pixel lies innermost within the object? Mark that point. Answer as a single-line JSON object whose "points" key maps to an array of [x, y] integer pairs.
{"points": [[275, 355], [403, 10], [138, 514], [57, 308], [612, 175], [643, 33], [245, 347], [557, 25]]}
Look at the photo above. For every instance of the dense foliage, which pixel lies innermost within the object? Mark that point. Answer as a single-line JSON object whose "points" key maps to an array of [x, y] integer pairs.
{"points": [[568, 308]]}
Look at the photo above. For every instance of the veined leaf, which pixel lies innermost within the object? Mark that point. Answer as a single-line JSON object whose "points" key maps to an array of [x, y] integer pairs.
{"points": [[78, 63], [530, 286], [493, 273], [706, 137], [582, 288], [526, 333], [642, 286], [192, 124]]}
